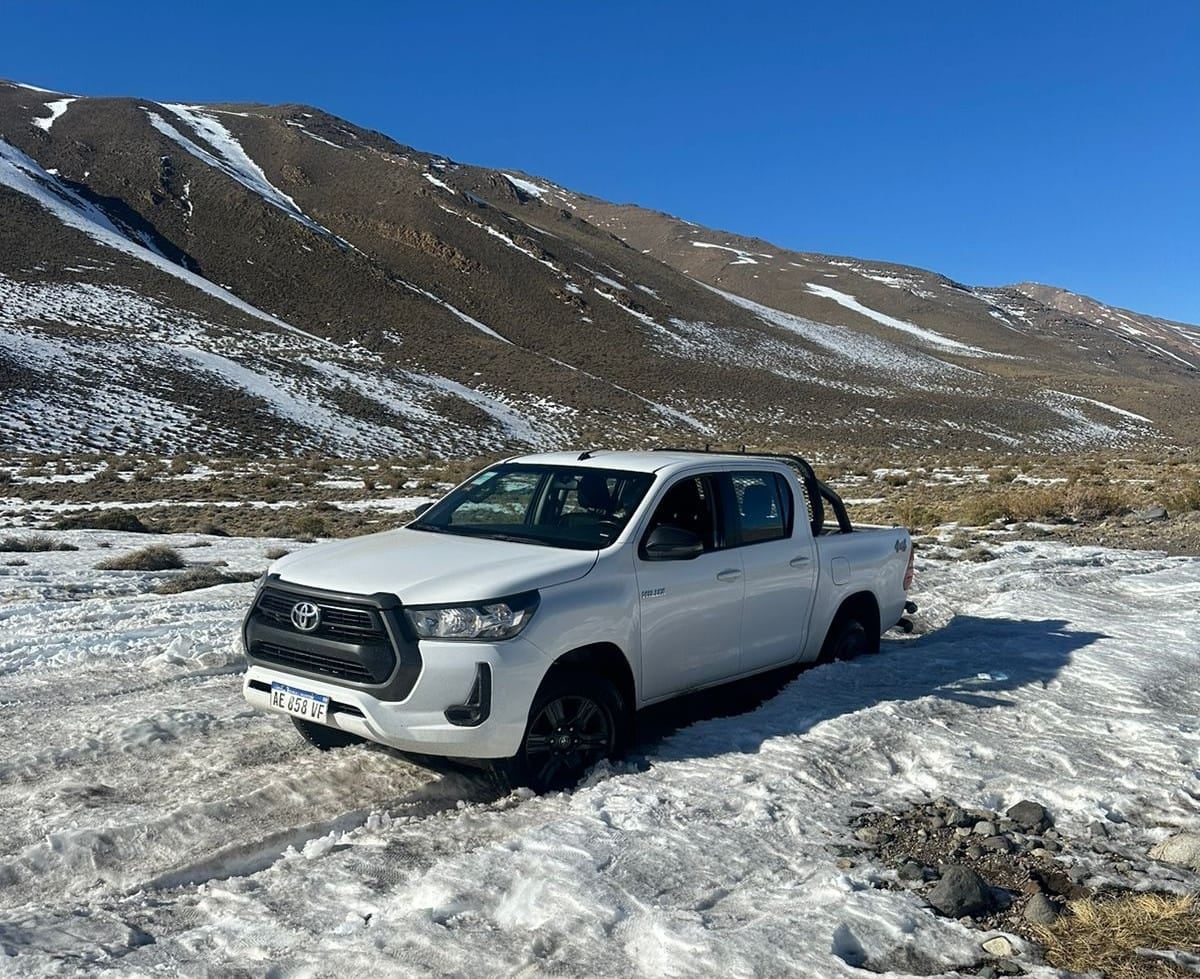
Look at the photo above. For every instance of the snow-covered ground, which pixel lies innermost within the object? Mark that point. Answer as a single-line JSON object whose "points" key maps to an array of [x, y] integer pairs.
{"points": [[150, 823]]}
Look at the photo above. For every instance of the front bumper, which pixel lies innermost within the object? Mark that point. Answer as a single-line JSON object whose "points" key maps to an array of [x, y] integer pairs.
{"points": [[448, 676]]}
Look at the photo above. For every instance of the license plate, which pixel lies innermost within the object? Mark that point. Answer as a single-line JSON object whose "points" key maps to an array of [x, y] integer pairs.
{"points": [[299, 703]]}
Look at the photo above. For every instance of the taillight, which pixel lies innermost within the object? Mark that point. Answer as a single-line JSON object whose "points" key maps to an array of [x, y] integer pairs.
{"points": [[908, 572]]}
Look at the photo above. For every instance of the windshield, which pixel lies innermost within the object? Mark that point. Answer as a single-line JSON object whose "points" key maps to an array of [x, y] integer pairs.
{"points": [[559, 506]]}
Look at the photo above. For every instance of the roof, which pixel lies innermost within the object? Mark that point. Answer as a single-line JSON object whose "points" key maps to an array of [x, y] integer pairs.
{"points": [[635, 461]]}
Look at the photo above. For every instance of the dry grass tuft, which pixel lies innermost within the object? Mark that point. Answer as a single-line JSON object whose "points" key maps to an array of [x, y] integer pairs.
{"points": [[1105, 935], [34, 542], [156, 557], [206, 577], [119, 520]]}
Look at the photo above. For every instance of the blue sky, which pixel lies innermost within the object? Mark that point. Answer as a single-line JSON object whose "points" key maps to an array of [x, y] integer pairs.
{"points": [[993, 142]]}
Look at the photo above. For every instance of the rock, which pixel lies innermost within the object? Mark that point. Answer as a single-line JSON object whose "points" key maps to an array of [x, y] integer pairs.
{"points": [[960, 892], [1006, 825], [1031, 816], [871, 835], [974, 851], [955, 816], [987, 972], [1007, 967], [1182, 848], [997, 844], [937, 823], [1040, 910], [999, 946], [844, 863], [1150, 514], [911, 871], [985, 828], [963, 831]]}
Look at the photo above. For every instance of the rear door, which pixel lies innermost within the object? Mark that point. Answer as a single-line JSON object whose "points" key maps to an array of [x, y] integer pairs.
{"points": [[769, 530], [691, 610]]}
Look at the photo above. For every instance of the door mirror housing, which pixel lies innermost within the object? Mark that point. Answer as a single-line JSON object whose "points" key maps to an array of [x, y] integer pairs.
{"points": [[421, 509], [672, 544]]}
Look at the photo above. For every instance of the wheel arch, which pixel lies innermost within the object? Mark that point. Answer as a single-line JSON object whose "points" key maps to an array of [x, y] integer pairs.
{"points": [[606, 659], [864, 607]]}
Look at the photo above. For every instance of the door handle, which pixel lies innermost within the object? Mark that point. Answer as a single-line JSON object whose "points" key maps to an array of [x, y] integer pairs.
{"points": [[729, 574], [797, 561]]}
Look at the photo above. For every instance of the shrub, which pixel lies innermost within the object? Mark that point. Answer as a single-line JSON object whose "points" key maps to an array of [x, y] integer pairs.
{"points": [[196, 578], [35, 542], [275, 553], [119, 520], [156, 557]]}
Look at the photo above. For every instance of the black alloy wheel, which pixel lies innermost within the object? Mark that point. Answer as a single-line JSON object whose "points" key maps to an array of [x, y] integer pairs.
{"points": [[576, 720]]}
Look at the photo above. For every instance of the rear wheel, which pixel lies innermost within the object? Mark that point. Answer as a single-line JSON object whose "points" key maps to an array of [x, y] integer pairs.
{"points": [[847, 639], [576, 720], [322, 737]]}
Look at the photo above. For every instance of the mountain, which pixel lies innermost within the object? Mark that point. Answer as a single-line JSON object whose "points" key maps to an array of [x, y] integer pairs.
{"points": [[247, 279]]}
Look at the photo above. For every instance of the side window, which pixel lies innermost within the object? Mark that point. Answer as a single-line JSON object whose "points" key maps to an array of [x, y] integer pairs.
{"points": [[688, 505], [762, 507]]}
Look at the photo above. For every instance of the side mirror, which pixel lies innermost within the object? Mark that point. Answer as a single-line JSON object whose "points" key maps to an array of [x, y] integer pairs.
{"points": [[672, 544], [421, 509]]}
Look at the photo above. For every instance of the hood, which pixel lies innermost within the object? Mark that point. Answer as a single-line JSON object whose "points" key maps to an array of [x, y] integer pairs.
{"points": [[423, 568]]}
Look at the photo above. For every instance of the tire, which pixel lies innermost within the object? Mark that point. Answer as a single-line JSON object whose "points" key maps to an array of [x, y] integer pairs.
{"points": [[322, 737], [576, 720], [847, 639]]}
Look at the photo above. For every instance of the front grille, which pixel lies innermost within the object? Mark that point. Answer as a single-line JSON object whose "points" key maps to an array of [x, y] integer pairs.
{"points": [[360, 640], [315, 663], [337, 621]]}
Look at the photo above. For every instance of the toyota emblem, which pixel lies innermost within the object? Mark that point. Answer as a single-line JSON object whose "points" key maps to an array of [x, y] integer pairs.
{"points": [[306, 616]]}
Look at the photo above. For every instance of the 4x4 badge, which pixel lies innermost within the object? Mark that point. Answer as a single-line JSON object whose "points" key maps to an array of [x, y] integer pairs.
{"points": [[306, 616]]}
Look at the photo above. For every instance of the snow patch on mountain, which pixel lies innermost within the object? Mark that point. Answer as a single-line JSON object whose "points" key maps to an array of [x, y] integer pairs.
{"points": [[854, 348], [526, 186], [228, 157], [57, 108], [930, 337], [743, 257], [26, 176]]}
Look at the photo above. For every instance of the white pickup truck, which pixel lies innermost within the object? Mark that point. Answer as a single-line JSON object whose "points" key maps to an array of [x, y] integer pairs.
{"points": [[527, 615]]}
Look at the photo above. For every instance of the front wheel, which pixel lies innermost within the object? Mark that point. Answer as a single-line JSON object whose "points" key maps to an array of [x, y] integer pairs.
{"points": [[576, 720]]}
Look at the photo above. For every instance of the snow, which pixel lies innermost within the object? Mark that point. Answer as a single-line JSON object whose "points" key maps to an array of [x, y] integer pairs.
{"points": [[743, 257], [928, 336], [470, 321], [438, 183], [225, 154], [26, 176], [152, 825], [322, 139], [1107, 407], [57, 108], [527, 186], [852, 348], [116, 335]]}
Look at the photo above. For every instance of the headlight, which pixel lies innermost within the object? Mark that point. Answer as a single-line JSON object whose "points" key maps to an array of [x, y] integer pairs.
{"points": [[501, 619]]}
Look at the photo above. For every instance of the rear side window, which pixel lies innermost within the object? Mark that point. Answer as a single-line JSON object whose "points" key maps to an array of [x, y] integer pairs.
{"points": [[762, 507]]}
